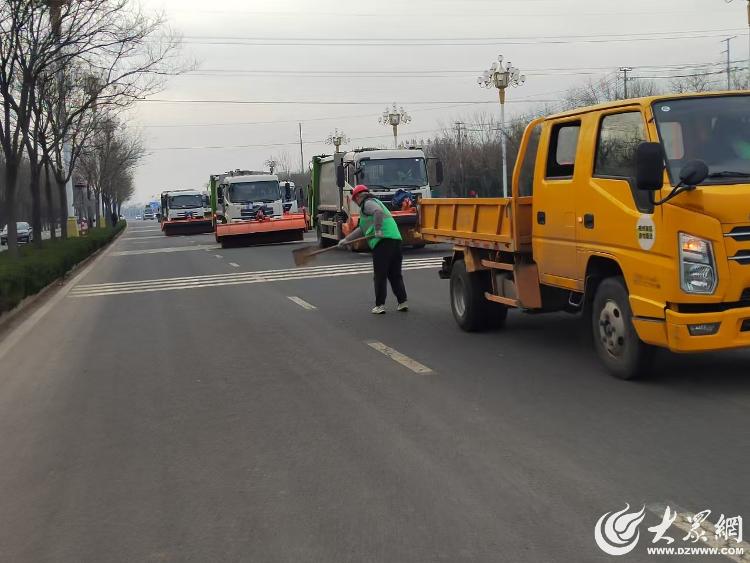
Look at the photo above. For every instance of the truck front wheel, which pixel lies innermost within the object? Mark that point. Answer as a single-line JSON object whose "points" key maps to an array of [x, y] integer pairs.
{"points": [[615, 338], [470, 308]]}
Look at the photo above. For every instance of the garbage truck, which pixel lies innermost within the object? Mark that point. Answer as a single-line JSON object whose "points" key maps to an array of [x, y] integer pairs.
{"points": [[254, 207], [398, 178], [633, 213], [185, 212]]}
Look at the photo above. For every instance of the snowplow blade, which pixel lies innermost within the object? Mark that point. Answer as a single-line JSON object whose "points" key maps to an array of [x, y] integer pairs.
{"points": [[287, 228], [187, 226]]}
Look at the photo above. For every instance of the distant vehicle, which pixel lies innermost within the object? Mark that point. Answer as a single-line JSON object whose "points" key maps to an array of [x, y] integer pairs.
{"points": [[149, 215], [186, 211], [24, 233], [254, 207], [138, 217]]}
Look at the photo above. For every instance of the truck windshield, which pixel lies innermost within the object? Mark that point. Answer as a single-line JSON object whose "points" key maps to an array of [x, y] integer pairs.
{"points": [[393, 173], [249, 192], [713, 129], [185, 201]]}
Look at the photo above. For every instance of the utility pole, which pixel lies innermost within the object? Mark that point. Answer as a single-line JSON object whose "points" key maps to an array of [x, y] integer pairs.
{"points": [[301, 153], [729, 61], [625, 70], [459, 136]]}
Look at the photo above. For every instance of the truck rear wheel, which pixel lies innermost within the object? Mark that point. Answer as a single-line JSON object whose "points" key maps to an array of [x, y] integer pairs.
{"points": [[470, 308], [615, 338]]}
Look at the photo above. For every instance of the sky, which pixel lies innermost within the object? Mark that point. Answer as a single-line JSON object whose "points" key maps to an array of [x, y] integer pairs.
{"points": [[329, 64]]}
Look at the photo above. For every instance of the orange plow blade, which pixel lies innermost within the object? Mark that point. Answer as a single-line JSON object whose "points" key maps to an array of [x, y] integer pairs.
{"points": [[287, 228]]}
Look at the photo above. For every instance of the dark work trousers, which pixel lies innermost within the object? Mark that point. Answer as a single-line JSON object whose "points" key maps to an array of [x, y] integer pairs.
{"points": [[386, 261]]}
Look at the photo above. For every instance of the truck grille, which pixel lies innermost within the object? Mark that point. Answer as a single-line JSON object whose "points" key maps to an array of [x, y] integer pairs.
{"points": [[742, 257], [740, 234]]}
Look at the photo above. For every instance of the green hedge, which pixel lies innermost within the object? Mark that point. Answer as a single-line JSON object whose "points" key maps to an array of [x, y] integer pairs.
{"points": [[35, 268]]}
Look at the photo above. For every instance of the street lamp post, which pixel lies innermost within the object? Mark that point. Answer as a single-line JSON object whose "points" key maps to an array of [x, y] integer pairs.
{"points": [[748, 36], [337, 138], [501, 77], [394, 117]]}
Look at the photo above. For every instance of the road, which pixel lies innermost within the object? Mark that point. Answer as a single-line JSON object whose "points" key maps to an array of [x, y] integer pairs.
{"points": [[176, 404]]}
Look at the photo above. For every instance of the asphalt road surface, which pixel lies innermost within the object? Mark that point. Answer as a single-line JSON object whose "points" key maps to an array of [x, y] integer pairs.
{"points": [[181, 402]]}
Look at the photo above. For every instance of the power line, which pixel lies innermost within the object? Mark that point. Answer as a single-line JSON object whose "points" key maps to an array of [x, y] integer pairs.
{"points": [[325, 103]]}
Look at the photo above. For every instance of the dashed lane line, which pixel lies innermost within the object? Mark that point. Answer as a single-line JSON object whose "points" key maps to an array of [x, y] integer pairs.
{"points": [[218, 255], [302, 303], [402, 359], [234, 265]]}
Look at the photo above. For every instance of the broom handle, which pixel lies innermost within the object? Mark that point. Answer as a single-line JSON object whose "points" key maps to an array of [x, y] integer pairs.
{"points": [[334, 247]]}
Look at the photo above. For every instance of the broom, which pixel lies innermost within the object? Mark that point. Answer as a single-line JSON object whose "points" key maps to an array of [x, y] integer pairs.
{"points": [[305, 254]]}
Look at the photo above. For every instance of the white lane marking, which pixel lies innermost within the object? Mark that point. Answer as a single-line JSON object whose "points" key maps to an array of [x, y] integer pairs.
{"points": [[212, 277], [302, 303], [218, 255], [240, 281], [683, 522], [397, 356], [234, 265], [142, 238], [163, 250], [24, 328]]}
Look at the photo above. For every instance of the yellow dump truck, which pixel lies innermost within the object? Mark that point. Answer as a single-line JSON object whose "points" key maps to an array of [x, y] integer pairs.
{"points": [[635, 213]]}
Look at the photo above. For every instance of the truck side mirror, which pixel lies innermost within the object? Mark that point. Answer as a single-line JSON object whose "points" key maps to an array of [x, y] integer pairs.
{"points": [[438, 174], [693, 173], [220, 195], [287, 191], [649, 164], [340, 179]]}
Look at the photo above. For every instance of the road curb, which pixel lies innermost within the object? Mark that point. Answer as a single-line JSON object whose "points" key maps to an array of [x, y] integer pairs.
{"points": [[9, 318]]}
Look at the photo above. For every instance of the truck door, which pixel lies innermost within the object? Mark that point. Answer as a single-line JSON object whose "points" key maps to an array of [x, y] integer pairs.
{"points": [[554, 206], [613, 213]]}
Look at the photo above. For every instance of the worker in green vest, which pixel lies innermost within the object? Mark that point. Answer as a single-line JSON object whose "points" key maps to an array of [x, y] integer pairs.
{"points": [[376, 222]]}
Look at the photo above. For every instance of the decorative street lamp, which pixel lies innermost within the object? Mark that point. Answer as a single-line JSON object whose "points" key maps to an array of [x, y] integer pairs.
{"points": [[501, 77], [337, 138], [394, 117]]}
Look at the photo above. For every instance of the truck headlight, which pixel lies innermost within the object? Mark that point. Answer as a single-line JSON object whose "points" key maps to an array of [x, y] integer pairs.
{"points": [[697, 267]]}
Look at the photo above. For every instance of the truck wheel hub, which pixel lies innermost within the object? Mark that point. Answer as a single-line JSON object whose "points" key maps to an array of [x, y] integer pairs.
{"points": [[458, 297], [612, 329]]}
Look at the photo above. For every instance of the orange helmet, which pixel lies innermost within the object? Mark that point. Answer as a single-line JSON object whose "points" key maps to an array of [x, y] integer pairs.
{"points": [[360, 189]]}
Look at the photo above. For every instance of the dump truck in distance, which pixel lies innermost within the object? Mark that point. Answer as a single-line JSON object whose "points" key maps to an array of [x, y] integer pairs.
{"points": [[252, 207], [634, 213], [398, 178], [185, 212]]}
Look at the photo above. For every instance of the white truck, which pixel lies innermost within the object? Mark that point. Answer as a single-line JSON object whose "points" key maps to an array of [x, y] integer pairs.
{"points": [[185, 211], [255, 207], [398, 178]]}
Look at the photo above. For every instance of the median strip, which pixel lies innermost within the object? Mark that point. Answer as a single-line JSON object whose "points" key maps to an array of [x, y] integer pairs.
{"points": [[397, 356]]}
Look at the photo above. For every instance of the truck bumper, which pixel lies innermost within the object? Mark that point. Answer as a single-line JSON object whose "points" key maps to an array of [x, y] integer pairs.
{"points": [[732, 330]]}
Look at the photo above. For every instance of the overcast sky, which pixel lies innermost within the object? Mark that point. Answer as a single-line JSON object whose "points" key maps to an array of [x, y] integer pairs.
{"points": [[423, 54]]}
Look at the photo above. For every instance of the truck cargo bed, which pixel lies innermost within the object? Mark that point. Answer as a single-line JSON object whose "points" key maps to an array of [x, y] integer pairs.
{"points": [[480, 222]]}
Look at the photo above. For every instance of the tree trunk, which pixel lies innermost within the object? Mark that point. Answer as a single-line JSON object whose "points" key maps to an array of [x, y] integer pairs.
{"points": [[50, 203], [36, 203], [63, 209], [11, 176], [98, 208]]}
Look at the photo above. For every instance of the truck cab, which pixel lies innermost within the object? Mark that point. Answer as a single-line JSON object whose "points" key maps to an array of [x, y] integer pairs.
{"points": [[634, 212], [398, 178], [241, 197]]}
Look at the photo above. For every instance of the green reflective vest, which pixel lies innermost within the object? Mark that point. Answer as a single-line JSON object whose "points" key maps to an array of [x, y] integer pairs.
{"points": [[367, 224]]}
